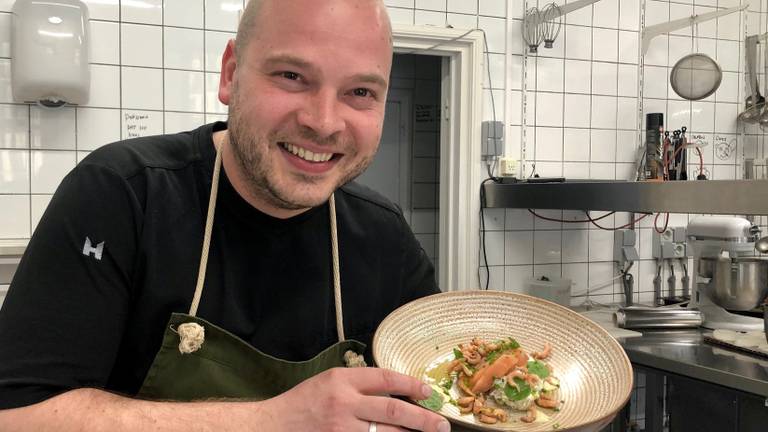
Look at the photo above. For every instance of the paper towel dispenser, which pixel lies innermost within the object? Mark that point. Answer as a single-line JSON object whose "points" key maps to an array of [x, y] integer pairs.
{"points": [[50, 52]]}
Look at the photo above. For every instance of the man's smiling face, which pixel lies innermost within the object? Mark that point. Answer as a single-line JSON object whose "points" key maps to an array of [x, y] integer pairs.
{"points": [[306, 98]]}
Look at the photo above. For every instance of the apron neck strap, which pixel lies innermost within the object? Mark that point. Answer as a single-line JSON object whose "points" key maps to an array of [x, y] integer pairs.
{"points": [[207, 244]]}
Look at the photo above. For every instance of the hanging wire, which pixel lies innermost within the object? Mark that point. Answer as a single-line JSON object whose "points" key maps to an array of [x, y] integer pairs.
{"points": [[553, 21], [532, 29]]}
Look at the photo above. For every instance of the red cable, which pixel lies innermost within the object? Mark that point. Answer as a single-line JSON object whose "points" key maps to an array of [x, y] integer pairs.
{"points": [[594, 222], [701, 161], [568, 221]]}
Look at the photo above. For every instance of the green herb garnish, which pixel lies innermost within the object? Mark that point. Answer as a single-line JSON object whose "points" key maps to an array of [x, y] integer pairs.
{"points": [[446, 383], [457, 354], [522, 391], [504, 346], [538, 368], [434, 402]]}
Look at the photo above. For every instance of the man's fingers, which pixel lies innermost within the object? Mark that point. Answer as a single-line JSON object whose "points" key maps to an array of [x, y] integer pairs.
{"points": [[389, 411], [387, 382]]}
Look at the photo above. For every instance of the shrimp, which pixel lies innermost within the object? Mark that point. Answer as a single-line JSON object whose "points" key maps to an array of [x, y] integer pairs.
{"points": [[544, 353], [477, 405], [546, 403], [500, 414], [463, 385], [473, 357], [487, 419], [532, 379], [530, 417], [466, 404], [517, 373], [465, 401]]}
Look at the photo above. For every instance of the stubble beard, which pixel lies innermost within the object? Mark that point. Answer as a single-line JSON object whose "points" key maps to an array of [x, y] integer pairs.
{"points": [[250, 151]]}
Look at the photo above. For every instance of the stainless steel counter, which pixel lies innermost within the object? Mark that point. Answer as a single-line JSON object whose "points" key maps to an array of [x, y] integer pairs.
{"points": [[684, 352]]}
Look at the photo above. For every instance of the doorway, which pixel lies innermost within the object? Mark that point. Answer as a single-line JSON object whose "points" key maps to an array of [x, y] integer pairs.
{"points": [[406, 168], [460, 171]]}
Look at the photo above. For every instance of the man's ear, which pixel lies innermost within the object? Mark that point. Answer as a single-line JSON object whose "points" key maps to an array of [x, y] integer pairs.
{"points": [[228, 67]]}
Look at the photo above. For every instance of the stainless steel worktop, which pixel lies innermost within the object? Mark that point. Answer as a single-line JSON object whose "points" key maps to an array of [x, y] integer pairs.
{"points": [[684, 352]]}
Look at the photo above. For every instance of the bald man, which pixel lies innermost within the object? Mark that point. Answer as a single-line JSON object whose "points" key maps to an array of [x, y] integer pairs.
{"points": [[196, 281]]}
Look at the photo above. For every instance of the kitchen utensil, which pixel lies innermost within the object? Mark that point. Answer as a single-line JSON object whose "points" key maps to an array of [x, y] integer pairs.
{"points": [[739, 284], [716, 242], [682, 158], [553, 20], [762, 245], [695, 76], [595, 373], [658, 318], [533, 33], [755, 101]]}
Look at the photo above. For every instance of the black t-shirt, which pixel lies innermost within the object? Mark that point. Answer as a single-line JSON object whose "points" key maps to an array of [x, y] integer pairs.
{"points": [[117, 251]]}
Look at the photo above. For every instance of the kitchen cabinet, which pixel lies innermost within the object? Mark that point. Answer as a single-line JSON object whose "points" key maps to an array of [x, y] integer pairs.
{"points": [[691, 386]]}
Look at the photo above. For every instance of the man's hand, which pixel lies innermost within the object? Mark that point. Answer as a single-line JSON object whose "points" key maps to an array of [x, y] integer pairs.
{"points": [[348, 399]]}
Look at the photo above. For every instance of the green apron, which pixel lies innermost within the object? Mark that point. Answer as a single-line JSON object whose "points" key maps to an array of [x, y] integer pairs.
{"points": [[198, 360]]}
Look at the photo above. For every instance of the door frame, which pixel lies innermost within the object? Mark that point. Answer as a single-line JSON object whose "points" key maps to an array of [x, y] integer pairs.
{"points": [[460, 146], [405, 134]]}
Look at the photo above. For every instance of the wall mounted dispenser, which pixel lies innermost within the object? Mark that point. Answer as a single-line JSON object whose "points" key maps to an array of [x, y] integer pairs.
{"points": [[50, 52]]}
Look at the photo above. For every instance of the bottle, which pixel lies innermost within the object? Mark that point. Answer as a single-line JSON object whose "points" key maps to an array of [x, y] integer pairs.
{"points": [[654, 124]]}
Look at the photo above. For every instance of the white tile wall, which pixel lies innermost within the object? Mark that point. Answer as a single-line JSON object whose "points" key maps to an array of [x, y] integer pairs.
{"points": [[156, 69]]}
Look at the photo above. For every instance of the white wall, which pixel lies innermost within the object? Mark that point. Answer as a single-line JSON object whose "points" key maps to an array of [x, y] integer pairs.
{"points": [[159, 66], [581, 123]]}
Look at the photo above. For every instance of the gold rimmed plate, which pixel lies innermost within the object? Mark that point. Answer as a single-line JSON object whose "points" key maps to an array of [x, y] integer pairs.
{"points": [[594, 371]]}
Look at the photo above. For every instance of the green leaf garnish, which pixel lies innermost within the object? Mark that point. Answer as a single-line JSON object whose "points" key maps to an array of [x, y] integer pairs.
{"points": [[434, 402], [446, 383], [522, 391], [457, 354], [538, 368]]}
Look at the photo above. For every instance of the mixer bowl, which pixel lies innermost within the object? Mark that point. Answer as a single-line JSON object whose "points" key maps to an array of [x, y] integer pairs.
{"points": [[765, 318], [738, 284]]}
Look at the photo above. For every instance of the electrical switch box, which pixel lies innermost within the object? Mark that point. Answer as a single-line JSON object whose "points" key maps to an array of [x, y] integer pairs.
{"points": [[670, 244], [625, 247], [493, 139]]}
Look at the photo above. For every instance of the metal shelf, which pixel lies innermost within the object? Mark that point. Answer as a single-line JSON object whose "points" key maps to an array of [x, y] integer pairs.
{"points": [[735, 197]]}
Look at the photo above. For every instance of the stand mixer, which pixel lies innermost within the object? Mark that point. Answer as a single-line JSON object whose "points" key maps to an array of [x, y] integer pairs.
{"points": [[729, 277]]}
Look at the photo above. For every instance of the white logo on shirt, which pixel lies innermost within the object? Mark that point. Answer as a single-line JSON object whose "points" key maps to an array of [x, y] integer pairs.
{"points": [[89, 249]]}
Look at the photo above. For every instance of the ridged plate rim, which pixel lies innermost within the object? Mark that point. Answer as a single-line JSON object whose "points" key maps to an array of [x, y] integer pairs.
{"points": [[453, 296]]}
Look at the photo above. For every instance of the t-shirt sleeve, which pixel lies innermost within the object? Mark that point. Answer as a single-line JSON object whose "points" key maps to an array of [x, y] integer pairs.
{"points": [[62, 320], [418, 270]]}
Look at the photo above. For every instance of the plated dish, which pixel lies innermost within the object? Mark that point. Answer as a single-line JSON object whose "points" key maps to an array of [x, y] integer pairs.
{"points": [[592, 373]]}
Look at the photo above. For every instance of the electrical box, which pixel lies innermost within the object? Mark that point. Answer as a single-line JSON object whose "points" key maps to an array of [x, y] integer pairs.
{"points": [[671, 244], [625, 247], [493, 139]]}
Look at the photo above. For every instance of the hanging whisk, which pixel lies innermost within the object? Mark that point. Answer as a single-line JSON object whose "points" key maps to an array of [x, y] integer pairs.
{"points": [[532, 29], [552, 20]]}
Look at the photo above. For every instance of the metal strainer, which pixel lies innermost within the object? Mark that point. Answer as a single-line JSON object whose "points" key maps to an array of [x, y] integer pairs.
{"points": [[695, 76]]}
